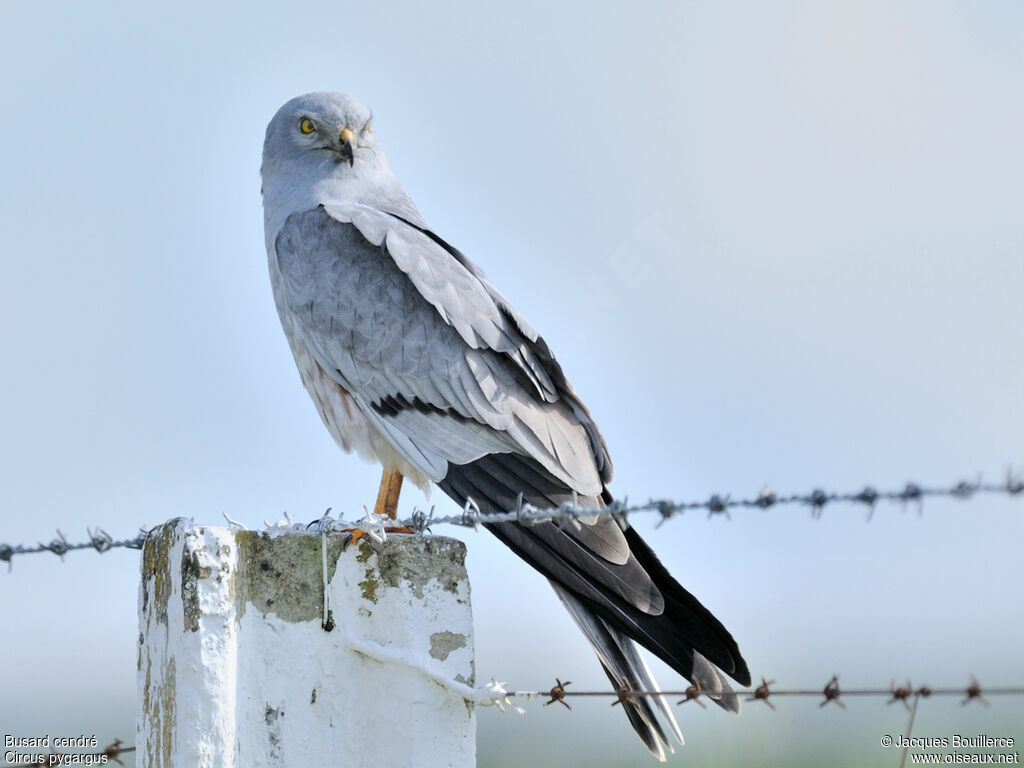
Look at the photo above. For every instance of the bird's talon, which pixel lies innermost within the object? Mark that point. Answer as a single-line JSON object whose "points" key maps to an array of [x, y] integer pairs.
{"points": [[351, 535], [355, 534]]}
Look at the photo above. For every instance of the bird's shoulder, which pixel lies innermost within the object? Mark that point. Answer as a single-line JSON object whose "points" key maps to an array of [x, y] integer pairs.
{"points": [[349, 264]]}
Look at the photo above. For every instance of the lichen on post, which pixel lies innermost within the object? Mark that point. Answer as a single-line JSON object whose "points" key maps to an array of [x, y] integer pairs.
{"points": [[238, 668]]}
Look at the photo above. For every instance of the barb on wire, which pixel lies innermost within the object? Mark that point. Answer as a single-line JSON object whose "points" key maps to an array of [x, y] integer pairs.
{"points": [[568, 514], [974, 692], [762, 692], [832, 692], [557, 693], [624, 695], [901, 694], [693, 694]]}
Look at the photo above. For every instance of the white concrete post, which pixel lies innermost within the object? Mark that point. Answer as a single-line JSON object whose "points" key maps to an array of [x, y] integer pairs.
{"points": [[236, 669]]}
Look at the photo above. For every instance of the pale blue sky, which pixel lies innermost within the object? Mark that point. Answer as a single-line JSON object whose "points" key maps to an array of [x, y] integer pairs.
{"points": [[770, 243]]}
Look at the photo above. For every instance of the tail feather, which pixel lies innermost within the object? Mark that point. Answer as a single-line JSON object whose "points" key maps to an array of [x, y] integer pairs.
{"points": [[615, 588], [713, 685], [626, 668]]}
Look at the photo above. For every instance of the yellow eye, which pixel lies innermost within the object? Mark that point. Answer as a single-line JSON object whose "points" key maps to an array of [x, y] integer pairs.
{"points": [[368, 128], [306, 125]]}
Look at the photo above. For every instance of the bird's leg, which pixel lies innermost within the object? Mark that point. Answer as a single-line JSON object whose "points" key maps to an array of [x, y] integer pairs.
{"points": [[387, 496], [386, 506]]}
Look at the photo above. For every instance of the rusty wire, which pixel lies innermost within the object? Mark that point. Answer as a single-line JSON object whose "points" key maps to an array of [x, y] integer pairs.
{"points": [[831, 692]]}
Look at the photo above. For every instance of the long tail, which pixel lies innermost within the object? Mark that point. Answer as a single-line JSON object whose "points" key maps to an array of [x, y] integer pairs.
{"points": [[614, 587], [625, 667]]}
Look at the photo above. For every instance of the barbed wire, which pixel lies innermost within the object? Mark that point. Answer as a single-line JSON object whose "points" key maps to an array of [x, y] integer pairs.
{"points": [[99, 540], [718, 504], [829, 693], [568, 514], [495, 694]]}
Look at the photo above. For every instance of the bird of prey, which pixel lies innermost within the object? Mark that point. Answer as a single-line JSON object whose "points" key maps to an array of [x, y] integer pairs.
{"points": [[415, 360]]}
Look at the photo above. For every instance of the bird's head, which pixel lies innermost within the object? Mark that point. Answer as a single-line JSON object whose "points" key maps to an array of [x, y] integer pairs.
{"points": [[320, 149], [322, 134]]}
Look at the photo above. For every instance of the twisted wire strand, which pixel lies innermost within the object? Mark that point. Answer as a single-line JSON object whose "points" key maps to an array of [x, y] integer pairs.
{"points": [[567, 514]]}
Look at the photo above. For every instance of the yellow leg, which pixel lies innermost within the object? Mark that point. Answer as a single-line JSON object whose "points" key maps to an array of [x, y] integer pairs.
{"points": [[387, 496]]}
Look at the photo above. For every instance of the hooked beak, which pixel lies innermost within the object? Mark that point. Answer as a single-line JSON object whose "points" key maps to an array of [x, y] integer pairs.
{"points": [[347, 150]]}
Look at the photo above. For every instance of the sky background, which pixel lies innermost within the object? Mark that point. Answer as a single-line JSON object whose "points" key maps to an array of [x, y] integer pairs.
{"points": [[771, 244]]}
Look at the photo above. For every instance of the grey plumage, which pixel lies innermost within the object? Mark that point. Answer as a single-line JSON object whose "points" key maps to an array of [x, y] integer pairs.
{"points": [[415, 360]]}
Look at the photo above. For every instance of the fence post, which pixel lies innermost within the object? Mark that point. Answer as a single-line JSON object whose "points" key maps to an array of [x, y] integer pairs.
{"points": [[237, 670]]}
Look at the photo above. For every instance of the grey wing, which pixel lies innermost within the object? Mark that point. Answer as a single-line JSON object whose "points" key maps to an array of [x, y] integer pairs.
{"points": [[440, 378], [446, 371]]}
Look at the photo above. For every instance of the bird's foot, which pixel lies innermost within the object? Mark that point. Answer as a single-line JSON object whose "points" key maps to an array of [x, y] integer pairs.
{"points": [[351, 535], [375, 533]]}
